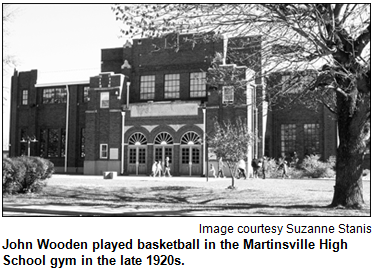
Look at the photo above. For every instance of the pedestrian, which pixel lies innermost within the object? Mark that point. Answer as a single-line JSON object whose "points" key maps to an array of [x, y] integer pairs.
{"points": [[158, 169], [167, 167], [264, 167], [220, 168], [295, 159], [154, 169], [255, 167], [213, 170], [284, 167], [241, 169]]}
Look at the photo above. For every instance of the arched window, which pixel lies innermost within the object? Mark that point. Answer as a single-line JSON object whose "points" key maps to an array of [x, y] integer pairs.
{"points": [[137, 139], [191, 138], [163, 138]]}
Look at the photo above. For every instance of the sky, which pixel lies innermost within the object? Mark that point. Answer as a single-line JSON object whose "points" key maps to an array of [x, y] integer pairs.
{"points": [[62, 41]]}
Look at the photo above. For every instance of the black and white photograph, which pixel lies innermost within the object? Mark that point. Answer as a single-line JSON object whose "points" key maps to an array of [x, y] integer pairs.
{"points": [[182, 110], [141, 120]]}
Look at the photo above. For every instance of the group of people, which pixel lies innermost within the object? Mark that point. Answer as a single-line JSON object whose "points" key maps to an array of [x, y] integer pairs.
{"points": [[158, 170], [221, 165], [261, 165], [258, 165]]}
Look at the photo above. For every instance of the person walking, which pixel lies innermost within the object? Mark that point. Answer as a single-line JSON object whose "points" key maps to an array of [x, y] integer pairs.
{"points": [[255, 167], [158, 169], [241, 169], [154, 169], [167, 167], [264, 167], [220, 168], [213, 170], [284, 167]]}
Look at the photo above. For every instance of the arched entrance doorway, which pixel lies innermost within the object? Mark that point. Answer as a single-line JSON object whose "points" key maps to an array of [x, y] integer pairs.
{"points": [[191, 159], [137, 154], [163, 147]]}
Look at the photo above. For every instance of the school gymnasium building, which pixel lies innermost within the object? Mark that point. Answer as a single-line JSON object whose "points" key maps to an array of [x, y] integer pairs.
{"points": [[152, 101]]}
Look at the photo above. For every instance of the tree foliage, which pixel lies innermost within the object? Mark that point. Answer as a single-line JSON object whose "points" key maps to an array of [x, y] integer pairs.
{"points": [[231, 141], [8, 14], [329, 42], [295, 37]]}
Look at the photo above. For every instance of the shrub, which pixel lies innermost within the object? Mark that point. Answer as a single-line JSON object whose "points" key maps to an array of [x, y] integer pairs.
{"points": [[295, 173], [314, 168], [50, 169], [26, 174], [7, 171], [310, 167], [15, 176], [272, 169]]}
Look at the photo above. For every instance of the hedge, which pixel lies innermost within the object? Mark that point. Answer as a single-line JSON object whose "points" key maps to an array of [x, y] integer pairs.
{"points": [[310, 167], [25, 174]]}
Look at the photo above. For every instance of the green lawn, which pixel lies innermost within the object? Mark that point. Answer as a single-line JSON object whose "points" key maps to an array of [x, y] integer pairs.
{"points": [[92, 195]]}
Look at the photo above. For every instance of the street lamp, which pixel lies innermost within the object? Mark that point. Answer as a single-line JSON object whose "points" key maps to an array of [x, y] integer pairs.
{"points": [[28, 140]]}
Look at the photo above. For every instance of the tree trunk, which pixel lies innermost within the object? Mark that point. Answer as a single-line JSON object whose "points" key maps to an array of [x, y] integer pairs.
{"points": [[232, 171], [354, 132]]}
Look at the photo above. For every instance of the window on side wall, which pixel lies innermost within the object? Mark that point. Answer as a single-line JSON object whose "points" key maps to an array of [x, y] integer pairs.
{"points": [[54, 95], [197, 84], [25, 97], [172, 86], [103, 151], [52, 142], [228, 94], [288, 138], [147, 87], [104, 100], [83, 140], [85, 94], [311, 138]]}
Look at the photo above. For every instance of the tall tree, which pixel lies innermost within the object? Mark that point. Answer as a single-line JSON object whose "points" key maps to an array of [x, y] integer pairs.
{"points": [[333, 40]]}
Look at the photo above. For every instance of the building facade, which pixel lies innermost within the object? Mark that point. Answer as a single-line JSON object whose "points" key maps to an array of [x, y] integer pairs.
{"points": [[153, 100]]}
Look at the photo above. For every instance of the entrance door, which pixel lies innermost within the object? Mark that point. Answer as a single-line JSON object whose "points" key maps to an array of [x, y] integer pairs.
{"points": [[164, 148], [137, 160], [190, 161], [161, 152], [191, 158]]}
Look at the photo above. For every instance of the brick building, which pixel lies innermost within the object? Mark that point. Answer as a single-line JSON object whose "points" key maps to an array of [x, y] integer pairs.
{"points": [[305, 127], [151, 101]]}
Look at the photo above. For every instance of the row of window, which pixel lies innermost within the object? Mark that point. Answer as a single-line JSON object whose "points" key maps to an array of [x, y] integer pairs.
{"points": [[147, 90], [51, 142], [53, 95], [163, 138], [138, 155], [310, 136], [188, 155], [172, 86]]}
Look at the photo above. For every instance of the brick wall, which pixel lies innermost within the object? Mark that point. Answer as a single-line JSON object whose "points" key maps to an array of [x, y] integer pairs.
{"points": [[36, 116]]}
